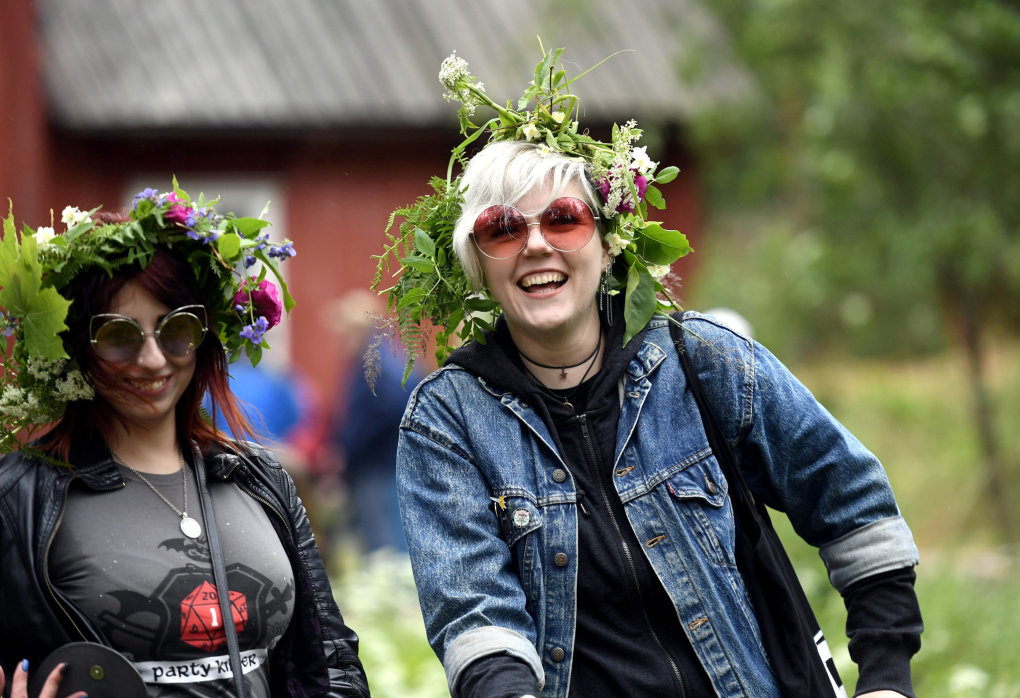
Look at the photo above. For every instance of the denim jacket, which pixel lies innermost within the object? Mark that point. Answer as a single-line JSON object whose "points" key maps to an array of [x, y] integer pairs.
{"points": [[490, 508]]}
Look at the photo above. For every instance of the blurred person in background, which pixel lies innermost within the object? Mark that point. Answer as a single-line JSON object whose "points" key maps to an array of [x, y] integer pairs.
{"points": [[364, 433]]}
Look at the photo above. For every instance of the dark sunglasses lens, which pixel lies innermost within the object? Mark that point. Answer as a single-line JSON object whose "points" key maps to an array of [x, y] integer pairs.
{"points": [[180, 334], [568, 224], [118, 341], [500, 232]]}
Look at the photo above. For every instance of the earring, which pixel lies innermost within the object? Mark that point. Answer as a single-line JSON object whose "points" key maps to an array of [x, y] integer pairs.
{"points": [[606, 287]]}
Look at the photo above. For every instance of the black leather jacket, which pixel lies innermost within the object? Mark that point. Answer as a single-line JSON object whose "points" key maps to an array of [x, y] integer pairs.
{"points": [[317, 656]]}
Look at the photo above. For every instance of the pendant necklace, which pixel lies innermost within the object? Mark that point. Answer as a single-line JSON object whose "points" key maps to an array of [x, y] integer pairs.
{"points": [[566, 398], [189, 526], [564, 367]]}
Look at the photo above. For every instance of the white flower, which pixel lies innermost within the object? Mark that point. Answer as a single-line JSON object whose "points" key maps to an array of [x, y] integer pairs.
{"points": [[44, 234], [530, 131], [74, 387], [617, 243], [558, 116], [452, 70], [641, 162], [658, 270], [545, 151], [71, 216]]}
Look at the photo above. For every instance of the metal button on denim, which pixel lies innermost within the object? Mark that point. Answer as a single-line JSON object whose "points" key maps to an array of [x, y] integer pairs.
{"points": [[560, 559], [557, 654], [559, 475]]}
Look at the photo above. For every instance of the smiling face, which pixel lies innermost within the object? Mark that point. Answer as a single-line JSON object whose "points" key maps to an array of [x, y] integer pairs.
{"points": [[144, 391], [548, 297]]}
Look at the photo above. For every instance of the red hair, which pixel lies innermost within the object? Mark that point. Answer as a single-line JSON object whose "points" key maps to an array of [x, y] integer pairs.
{"points": [[169, 278]]}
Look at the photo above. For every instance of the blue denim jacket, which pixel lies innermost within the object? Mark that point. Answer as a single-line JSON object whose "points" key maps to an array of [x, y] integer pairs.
{"points": [[468, 450]]}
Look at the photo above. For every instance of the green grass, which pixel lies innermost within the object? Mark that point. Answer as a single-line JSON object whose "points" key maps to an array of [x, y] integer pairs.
{"points": [[916, 417]]}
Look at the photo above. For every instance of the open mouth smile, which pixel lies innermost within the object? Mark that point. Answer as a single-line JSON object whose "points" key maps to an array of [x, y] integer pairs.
{"points": [[150, 385], [543, 282]]}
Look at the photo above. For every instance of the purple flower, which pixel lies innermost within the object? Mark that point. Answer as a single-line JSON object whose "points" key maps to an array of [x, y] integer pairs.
{"points": [[626, 205], [255, 331], [283, 250], [249, 261], [147, 193]]}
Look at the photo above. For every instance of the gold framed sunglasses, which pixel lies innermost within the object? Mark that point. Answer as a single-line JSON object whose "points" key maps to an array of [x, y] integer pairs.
{"points": [[119, 339]]}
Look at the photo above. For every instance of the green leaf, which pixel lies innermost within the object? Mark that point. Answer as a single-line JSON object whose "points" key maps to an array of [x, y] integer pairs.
{"points": [[249, 227], [41, 310], [229, 245], [667, 174], [654, 197], [640, 301], [662, 246], [424, 243], [425, 266], [412, 297]]}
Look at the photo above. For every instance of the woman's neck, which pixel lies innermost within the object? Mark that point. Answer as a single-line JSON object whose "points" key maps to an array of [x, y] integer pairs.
{"points": [[154, 451], [562, 359]]}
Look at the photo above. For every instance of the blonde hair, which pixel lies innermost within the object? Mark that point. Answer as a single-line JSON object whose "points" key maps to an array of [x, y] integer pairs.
{"points": [[504, 173]]}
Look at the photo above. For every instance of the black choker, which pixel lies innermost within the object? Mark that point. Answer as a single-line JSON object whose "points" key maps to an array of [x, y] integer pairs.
{"points": [[564, 367]]}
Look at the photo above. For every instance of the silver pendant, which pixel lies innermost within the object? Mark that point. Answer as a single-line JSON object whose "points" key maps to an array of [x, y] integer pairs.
{"points": [[190, 527]]}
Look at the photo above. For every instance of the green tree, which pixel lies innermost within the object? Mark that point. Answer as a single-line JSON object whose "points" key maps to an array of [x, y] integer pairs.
{"points": [[881, 167]]}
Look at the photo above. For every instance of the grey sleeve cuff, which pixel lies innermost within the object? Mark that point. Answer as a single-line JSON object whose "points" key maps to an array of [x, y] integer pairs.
{"points": [[880, 546], [482, 642]]}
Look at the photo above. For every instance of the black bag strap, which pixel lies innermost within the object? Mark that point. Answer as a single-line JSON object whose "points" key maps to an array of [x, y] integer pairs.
{"points": [[720, 447], [219, 575]]}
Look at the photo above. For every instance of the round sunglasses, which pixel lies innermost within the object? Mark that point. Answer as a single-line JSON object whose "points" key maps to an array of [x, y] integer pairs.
{"points": [[119, 339], [501, 231]]}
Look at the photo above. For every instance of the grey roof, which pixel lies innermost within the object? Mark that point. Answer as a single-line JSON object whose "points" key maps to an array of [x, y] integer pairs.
{"points": [[196, 64]]}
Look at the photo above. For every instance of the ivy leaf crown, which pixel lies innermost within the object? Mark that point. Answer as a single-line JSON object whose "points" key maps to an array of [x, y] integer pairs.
{"points": [[37, 375], [431, 288]]}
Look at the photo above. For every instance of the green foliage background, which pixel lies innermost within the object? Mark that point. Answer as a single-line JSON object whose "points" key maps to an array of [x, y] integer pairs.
{"points": [[875, 181]]}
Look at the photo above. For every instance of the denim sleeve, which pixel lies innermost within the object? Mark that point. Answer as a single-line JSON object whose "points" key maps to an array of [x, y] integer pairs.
{"points": [[471, 598], [801, 461]]}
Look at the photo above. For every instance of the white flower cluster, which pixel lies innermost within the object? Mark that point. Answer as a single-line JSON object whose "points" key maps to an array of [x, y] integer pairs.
{"points": [[455, 77], [658, 270], [53, 383], [617, 243], [71, 216], [641, 163]]}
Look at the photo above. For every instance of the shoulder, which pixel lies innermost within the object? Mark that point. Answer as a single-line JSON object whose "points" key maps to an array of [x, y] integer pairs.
{"points": [[705, 337], [17, 469]]}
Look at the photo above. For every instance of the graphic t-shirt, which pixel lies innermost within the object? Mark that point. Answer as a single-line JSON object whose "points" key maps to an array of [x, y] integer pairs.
{"points": [[121, 557]]}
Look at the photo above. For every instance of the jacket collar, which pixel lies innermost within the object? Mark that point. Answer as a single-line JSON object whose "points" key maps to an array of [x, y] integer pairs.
{"points": [[94, 465]]}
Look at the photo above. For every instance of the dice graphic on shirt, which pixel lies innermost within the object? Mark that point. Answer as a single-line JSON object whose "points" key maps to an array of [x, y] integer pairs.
{"points": [[202, 619]]}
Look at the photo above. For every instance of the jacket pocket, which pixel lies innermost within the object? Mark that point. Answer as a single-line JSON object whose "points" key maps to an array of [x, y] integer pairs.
{"points": [[700, 493], [520, 520]]}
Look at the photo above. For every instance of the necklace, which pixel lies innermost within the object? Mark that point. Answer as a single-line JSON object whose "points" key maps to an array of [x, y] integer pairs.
{"points": [[566, 398], [189, 526], [564, 367]]}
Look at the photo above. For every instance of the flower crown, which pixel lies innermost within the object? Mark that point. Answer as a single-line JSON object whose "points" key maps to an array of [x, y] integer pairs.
{"points": [[38, 377], [432, 286]]}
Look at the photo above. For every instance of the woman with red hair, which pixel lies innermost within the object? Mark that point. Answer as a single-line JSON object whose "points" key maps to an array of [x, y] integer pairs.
{"points": [[133, 524]]}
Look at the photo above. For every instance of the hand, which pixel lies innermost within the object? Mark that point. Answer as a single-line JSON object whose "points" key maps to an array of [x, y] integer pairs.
{"points": [[878, 694], [19, 685]]}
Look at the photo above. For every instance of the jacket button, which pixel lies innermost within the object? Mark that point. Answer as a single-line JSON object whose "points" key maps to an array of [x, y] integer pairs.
{"points": [[557, 654], [559, 475], [560, 560]]}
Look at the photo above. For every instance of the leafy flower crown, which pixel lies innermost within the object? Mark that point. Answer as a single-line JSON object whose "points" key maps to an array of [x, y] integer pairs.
{"points": [[38, 377], [432, 287]]}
